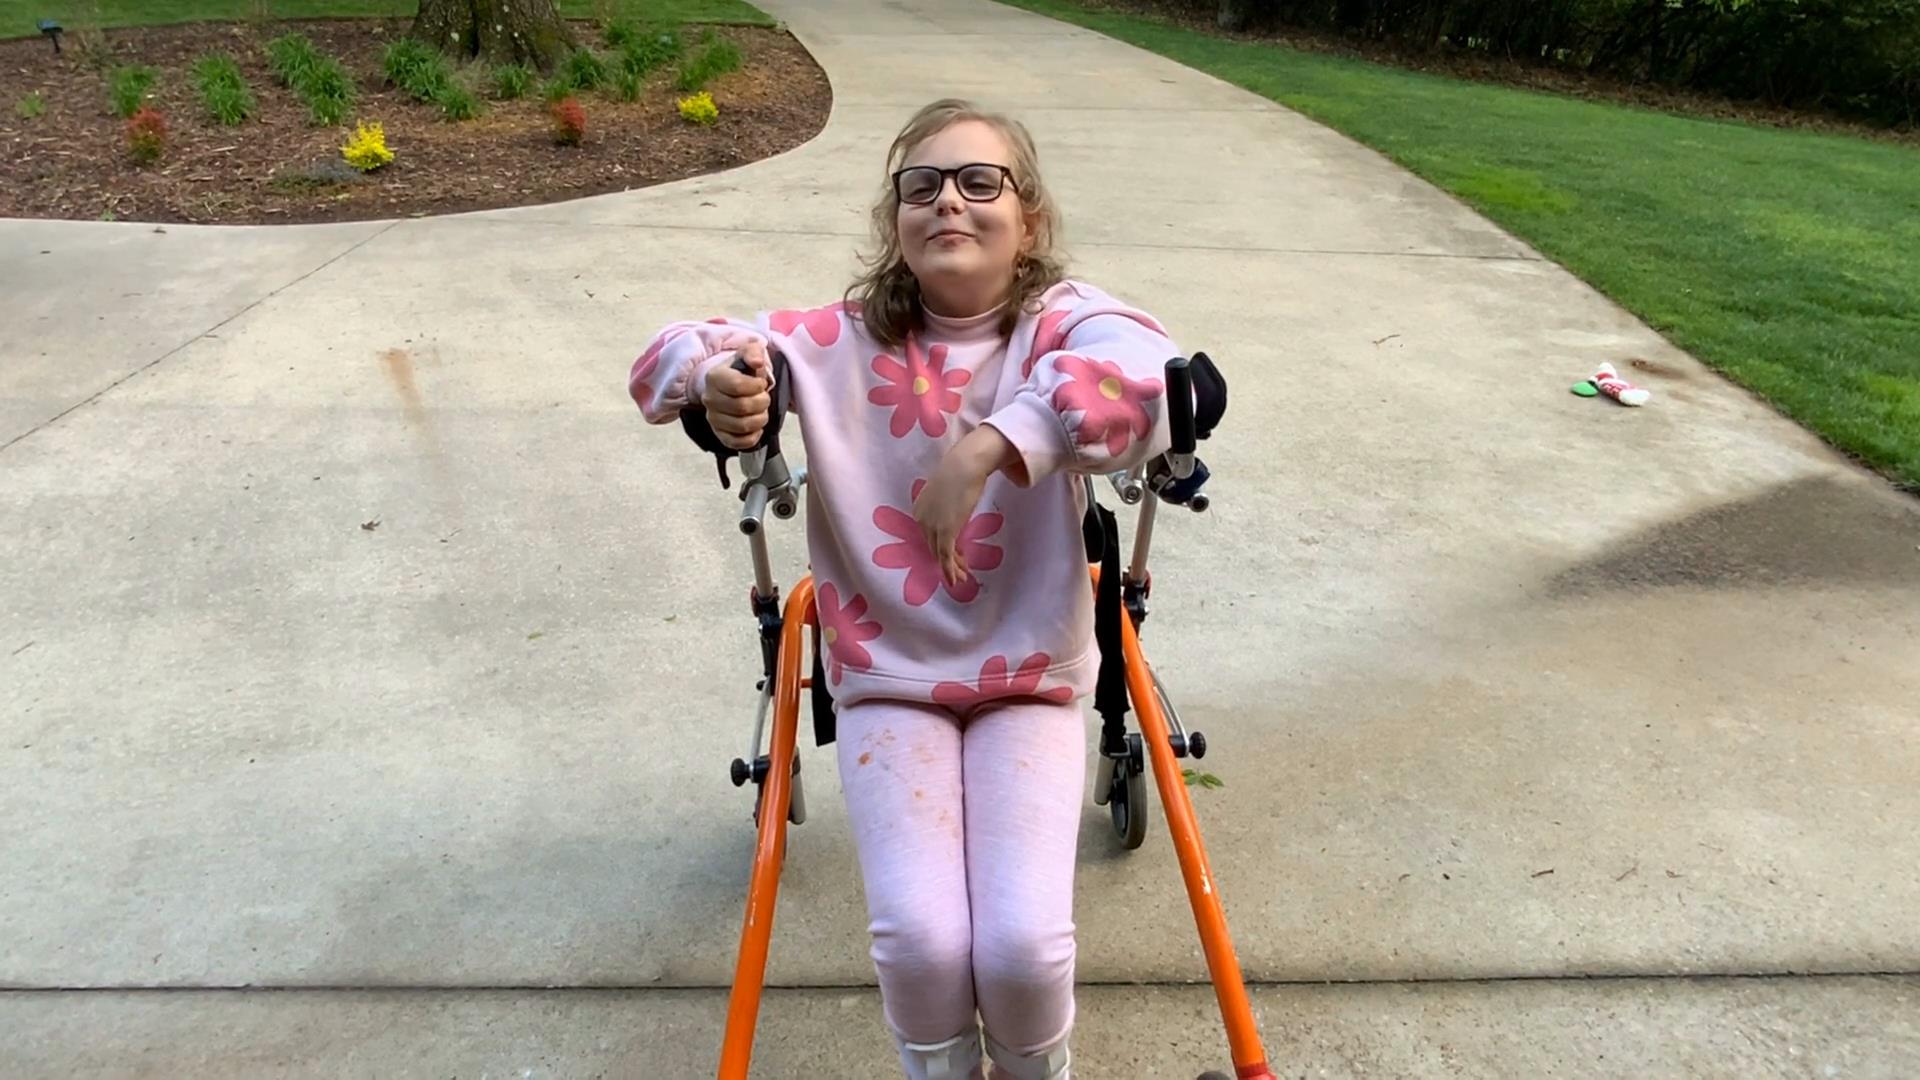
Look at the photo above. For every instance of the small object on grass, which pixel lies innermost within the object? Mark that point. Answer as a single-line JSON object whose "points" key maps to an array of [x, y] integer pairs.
{"points": [[1619, 389], [1585, 388]]}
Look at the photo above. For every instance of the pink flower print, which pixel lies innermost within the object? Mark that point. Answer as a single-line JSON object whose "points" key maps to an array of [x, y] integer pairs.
{"points": [[843, 628], [1048, 338], [909, 552], [920, 391], [822, 323], [1112, 407], [995, 683]]}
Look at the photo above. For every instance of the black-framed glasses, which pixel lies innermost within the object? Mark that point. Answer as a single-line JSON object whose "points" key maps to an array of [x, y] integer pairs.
{"points": [[978, 182]]}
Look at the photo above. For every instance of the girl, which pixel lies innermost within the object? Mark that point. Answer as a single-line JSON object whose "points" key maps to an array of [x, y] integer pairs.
{"points": [[948, 405]]}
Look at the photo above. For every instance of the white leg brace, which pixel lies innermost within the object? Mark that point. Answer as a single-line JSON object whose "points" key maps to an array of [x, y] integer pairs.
{"points": [[1050, 1063], [957, 1058]]}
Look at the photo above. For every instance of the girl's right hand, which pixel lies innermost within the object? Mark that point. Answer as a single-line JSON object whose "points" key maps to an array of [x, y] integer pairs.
{"points": [[737, 403]]}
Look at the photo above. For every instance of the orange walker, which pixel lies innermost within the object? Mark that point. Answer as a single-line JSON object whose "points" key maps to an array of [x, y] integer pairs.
{"points": [[788, 634]]}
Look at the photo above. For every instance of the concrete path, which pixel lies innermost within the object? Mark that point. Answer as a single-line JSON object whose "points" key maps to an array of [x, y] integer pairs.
{"points": [[1504, 685]]}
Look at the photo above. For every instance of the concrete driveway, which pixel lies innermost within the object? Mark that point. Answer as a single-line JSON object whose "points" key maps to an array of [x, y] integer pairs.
{"points": [[360, 642]]}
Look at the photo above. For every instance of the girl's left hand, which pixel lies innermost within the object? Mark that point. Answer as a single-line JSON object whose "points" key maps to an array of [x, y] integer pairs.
{"points": [[947, 503]]}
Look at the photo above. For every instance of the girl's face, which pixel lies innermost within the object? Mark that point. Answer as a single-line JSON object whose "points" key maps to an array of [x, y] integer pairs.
{"points": [[961, 232]]}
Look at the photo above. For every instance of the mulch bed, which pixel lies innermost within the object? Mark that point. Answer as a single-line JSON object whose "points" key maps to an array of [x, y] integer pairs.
{"points": [[72, 161]]}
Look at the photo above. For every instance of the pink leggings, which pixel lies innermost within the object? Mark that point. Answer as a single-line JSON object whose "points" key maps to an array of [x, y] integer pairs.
{"points": [[971, 897]]}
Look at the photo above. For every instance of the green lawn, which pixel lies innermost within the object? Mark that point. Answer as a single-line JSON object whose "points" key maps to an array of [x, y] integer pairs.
{"points": [[19, 18], [1786, 259]]}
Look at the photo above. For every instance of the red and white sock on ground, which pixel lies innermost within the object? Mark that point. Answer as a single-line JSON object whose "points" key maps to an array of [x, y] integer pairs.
{"points": [[1619, 389]]}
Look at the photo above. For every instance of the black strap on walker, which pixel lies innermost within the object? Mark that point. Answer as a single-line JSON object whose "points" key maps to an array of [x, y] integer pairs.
{"points": [[1101, 531], [823, 725], [693, 420]]}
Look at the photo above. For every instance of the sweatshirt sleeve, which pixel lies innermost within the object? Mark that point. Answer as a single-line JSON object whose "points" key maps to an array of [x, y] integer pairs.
{"points": [[1094, 398], [671, 374]]}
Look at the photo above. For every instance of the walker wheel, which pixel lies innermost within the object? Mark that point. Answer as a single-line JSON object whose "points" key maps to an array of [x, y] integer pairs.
{"points": [[1127, 796]]}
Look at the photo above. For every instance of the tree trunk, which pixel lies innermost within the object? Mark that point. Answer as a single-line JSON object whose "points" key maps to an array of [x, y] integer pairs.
{"points": [[497, 31]]}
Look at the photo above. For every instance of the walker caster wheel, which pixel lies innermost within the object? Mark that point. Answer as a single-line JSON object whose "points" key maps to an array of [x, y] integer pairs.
{"points": [[1127, 796]]}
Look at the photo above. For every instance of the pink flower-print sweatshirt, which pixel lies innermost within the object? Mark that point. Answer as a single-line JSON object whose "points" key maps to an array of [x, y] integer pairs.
{"points": [[1077, 388]]}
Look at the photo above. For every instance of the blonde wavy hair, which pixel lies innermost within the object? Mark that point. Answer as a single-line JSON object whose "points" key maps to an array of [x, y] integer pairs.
{"points": [[887, 293]]}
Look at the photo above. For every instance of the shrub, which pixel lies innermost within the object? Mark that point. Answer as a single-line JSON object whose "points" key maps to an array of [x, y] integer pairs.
{"points": [[512, 81], [31, 107], [627, 85], [416, 68], [1856, 56], [569, 122], [223, 89], [292, 58], [127, 88], [583, 70], [146, 134], [619, 33], [320, 81], [329, 93], [654, 50], [456, 102], [367, 149], [718, 57], [699, 109]]}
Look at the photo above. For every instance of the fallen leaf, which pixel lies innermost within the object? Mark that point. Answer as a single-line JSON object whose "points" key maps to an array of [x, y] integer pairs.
{"points": [[369, 526], [1672, 874], [536, 635], [670, 618]]}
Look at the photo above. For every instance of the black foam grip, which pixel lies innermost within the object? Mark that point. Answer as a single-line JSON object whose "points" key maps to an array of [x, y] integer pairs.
{"points": [[1180, 405]]}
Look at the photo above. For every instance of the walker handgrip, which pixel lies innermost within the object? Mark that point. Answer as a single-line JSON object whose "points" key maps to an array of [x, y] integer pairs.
{"points": [[1180, 405]]}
